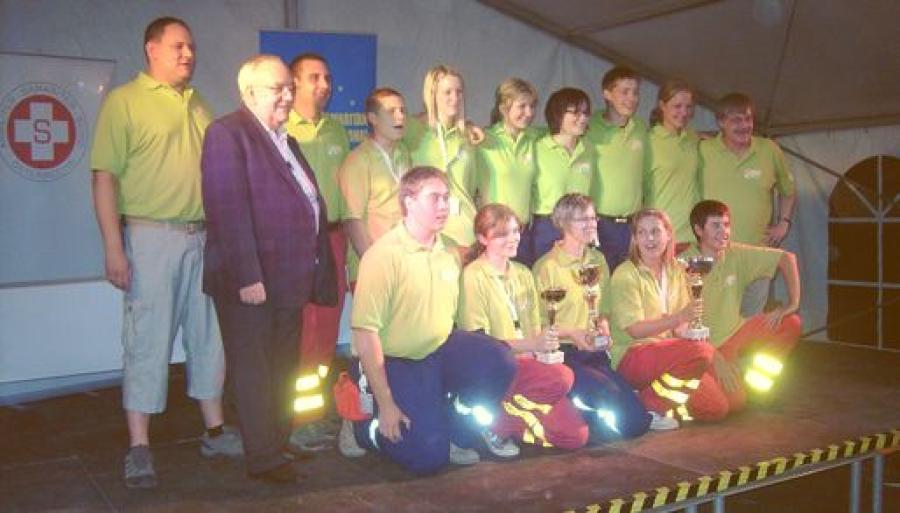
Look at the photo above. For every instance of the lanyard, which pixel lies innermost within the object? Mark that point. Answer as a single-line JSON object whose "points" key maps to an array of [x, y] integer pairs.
{"points": [[664, 289], [441, 136], [508, 295], [388, 162]]}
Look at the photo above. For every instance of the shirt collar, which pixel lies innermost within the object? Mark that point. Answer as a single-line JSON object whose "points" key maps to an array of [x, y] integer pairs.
{"points": [[411, 245], [294, 118], [150, 83]]}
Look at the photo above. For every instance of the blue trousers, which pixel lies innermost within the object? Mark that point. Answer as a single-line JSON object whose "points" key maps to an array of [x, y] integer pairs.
{"points": [[525, 253], [472, 368], [614, 237], [599, 388], [543, 235]]}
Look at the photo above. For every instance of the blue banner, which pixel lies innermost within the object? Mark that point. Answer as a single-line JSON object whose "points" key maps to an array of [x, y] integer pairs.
{"points": [[351, 60]]}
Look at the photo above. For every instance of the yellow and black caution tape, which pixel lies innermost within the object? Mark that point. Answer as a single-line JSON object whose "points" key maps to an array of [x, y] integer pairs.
{"points": [[706, 485]]}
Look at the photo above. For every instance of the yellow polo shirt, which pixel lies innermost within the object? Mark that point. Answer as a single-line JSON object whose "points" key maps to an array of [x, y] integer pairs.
{"points": [[449, 151], [150, 137], [507, 169], [488, 298], [745, 183], [559, 172], [325, 145], [558, 269], [407, 293], [618, 188], [724, 286], [635, 295], [672, 177]]}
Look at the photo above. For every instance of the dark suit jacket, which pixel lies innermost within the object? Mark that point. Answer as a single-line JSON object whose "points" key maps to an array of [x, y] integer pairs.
{"points": [[260, 225]]}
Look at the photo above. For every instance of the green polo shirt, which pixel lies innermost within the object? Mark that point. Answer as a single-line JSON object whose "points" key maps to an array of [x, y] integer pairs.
{"points": [[407, 293], [636, 295], [620, 154], [325, 145], [745, 183], [150, 137], [558, 269], [559, 172], [507, 169], [488, 297], [671, 177], [724, 286], [370, 187], [449, 151]]}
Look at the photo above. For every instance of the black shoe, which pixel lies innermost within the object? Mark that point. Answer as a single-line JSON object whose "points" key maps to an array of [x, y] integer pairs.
{"points": [[293, 453], [281, 474]]}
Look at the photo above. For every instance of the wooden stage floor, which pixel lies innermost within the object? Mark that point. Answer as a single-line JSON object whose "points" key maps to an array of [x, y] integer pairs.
{"points": [[65, 454]]}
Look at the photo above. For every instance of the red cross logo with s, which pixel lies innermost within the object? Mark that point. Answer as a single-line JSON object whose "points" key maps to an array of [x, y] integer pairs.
{"points": [[41, 131]]}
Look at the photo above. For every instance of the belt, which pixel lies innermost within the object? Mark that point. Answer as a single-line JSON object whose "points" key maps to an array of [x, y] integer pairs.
{"points": [[617, 219], [181, 226]]}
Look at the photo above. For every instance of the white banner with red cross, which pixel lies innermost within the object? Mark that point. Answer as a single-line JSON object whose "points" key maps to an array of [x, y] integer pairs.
{"points": [[48, 106]]}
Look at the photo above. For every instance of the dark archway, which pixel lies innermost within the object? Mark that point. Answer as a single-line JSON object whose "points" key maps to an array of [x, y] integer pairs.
{"points": [[864, 255]]}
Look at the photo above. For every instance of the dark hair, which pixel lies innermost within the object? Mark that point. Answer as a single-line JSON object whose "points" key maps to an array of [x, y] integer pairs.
{"points": [[308, 56], [703, 211], [733, 103], [617, 73], [666, 93], [155, 29], [562, 100], [412, 181]]}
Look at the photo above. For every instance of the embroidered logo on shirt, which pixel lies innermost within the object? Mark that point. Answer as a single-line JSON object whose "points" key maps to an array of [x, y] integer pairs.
{"points": [[334, 150], [636, 145], [526, 159], [730, 280], [583, 168], [449, 274], [752, 174]]}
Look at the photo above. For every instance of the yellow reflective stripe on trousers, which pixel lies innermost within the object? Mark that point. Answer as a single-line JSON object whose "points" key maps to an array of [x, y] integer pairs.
{"points": [[672, 395], [673, 382], [308, 402], [534, 431], [307, 382], [528, 404]]}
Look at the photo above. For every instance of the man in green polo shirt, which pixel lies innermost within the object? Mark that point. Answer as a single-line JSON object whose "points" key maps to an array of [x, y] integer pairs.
{"points": [[325, 143], [370, 175], [760, 344], [745, 172], [620, 142], [146, 171]]}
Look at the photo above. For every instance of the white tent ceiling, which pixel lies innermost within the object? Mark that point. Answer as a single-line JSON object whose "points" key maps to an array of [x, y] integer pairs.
{"points": [[808, 64]]}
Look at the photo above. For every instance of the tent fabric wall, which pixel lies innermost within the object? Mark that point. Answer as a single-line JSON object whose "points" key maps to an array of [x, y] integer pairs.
{"points": [[412, 36]]}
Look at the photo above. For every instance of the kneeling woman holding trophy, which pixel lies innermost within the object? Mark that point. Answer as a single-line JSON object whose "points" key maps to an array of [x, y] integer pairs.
{"points": [[662, 348], [572, 277], [498, 296]]}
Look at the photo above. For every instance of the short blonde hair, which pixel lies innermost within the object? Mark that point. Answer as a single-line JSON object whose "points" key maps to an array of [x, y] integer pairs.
{"points": [[506, 94], [248, 74], [634, 252], [568, 207]]}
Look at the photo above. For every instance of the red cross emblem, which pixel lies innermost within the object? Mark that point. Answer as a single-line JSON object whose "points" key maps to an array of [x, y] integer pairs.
{"points": [[41, 132]]}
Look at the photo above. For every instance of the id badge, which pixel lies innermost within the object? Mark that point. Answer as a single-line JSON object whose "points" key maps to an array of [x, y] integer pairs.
{"points": [[366, 403], [453, 205]]}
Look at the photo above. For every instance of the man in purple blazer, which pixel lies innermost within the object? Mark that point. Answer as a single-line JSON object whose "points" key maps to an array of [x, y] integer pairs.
{"points": [[265, 223]]}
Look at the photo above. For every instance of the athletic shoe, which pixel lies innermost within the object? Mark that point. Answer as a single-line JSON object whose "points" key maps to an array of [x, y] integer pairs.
{"points": [[139, 472], [662, 423], [460, 456], [309, 438], [499, 447], [226, 445], [347, 443]]}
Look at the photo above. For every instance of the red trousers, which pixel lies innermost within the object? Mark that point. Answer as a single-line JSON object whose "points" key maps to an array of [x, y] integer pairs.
{"points": [[537, 410], [711, 402], [318, 339], [665, 372]]}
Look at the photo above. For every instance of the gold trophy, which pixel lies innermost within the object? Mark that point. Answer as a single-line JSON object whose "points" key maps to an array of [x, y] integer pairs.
{"points": [[697, 267], [553, 296], [588, 276]]}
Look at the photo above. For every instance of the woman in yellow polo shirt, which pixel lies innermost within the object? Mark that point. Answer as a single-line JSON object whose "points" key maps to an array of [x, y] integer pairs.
{"points": [[506, 162], [607, 402], [672, 166], [499, 297], [651, 306], [441, 138]]}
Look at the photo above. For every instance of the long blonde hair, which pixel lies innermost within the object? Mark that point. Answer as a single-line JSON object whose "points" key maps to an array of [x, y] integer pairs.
{"points": [[429, 95], [633, 251], [506, 94]]}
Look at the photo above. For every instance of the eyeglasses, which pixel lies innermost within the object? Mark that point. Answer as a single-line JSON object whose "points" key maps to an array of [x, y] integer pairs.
{"points": [[585, 220], [578, 112], [279, 90]]}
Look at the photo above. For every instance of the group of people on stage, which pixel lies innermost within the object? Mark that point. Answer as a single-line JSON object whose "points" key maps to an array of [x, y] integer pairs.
{"points": [[246, 232]]}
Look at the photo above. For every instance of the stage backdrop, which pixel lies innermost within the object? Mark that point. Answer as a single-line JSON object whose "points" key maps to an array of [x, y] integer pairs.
{"points": [[351, 60], [47, 110]]}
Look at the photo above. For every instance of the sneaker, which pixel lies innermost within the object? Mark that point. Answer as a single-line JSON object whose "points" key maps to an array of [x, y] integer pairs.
{"points": [[226, 445], [499, 447], [662, 423], [308, 437], [139, 472], [347, 443], [460, 456]]}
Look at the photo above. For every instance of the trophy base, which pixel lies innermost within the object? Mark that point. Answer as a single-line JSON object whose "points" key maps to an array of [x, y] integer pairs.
{"points": [[550, 357], [601, 342], [701, 333]]}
